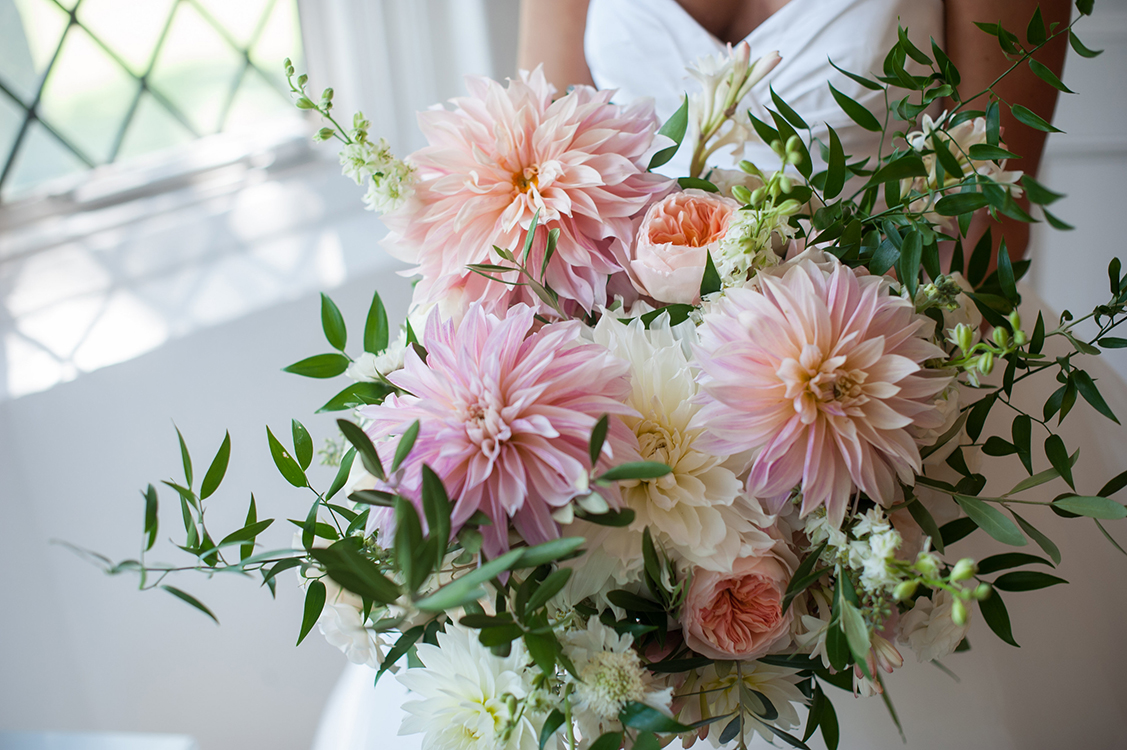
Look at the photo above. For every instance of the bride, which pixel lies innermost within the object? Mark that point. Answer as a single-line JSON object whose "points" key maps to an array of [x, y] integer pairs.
{"points": [[1070, 692]]}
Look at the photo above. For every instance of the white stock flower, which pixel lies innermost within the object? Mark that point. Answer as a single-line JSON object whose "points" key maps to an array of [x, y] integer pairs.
{"points": [[611, 675], [461, 699], [390, 181], [694, 513], [928, 628], [374, 368]]}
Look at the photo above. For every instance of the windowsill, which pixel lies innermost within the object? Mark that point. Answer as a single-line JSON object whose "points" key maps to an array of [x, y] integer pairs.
{"points": [[109, 269]]}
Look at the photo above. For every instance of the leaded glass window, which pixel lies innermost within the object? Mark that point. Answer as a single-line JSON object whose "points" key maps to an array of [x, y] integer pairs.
{"points": [[85, 83]]}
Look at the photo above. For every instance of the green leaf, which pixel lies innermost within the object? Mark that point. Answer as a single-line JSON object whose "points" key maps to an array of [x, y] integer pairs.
{"points": [[319, 366], [1079, 47], [468, 587], [302, 444], [359, 439], [986, 152], [648, 719], [710, 280], [1028, 117], [997, 617], [830, 732], [1038, 193], [598, 437], [357, 394], [955, 530], [635, 470], [1056, 223], [870, 85], [184, 596], [991, 520], [960, 203], [856, 112], [1006, 273], [608, 741], [408, 540], [950, 164], [1085, 6], [1040, 477], [856, 633], [152, 519], [406, 443], [790, 115], [345, 565], [679, 665], [185, 458], [804, 576], [1042, 541], [1026, 580], [697, 183], [554, 721], [375, 327], [1022, 431], [673, 128], [217, 470], [332, 323], [910, 49], [993, 123], [1036, 33], [613, 518], [548, 588], [911, 252], [632, 602], [1108, 536], [926, 523], [436, 508], [835, 174], [529, 236], [1115, 484], [1009, 560], [248, 532], [980, 259], [1113, 342], [550, 551], [1048, 76], [1092, 506], [402, 646], [314, 604], [1058, 457], [1091, 394], [908, 165], [285, 463], [342, 473]]}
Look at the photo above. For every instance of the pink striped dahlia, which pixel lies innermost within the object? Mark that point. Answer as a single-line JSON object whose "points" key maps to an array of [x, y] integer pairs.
{"points": [[505, 417], [502, 154], [819, 373]]}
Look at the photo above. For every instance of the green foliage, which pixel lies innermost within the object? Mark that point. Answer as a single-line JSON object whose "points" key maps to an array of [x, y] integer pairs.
{"points": [[674, 129]]}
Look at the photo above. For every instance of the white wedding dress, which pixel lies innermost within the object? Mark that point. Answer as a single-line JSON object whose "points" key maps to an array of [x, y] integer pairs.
{"points": [[1066, 686]]}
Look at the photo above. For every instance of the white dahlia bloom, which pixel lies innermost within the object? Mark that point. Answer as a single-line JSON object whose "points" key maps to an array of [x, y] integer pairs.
{"points": [[929, 630], [611, 675], [463, 696], [696, 512]]}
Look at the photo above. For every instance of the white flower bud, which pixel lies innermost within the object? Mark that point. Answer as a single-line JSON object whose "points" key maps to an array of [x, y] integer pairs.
{"points": [[964, 569], [986, 363], [959, 612], [982, 591], [1001, 337], [904, 590]]}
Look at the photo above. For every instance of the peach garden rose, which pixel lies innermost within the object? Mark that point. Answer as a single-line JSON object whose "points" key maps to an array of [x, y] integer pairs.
{"points": [[677, 234], [737, 615]]}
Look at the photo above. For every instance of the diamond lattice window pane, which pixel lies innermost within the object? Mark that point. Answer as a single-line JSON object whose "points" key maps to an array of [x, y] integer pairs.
{"points": [[257, 101], [11, 117], [130, 28], [29, 35], [239, 19], [40, 158], [196, 69], [153, 128], [87, 96], [280, 38]]}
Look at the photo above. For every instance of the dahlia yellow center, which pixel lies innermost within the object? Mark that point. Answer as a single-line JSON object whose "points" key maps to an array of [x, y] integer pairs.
{"points": [[817, 383], [527, 178]]}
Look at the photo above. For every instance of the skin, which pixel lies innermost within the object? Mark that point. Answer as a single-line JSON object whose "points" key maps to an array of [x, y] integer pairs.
{"points": [[977, 56]]}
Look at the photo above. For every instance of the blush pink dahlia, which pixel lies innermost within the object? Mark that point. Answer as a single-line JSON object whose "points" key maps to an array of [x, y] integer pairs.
{"points": [[505, 417], [502, 154], [819, 372]]}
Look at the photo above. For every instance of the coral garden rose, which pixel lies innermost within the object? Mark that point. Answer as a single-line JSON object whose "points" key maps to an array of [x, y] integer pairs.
{"points": [[737, 615], [673, 244]]}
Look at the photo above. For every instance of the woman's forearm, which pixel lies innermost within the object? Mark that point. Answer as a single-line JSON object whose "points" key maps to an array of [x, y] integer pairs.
{"points": [[551, 34]]}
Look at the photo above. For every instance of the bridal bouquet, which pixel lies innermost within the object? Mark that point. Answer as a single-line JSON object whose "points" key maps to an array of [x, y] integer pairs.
{"points": [[656, 457]]}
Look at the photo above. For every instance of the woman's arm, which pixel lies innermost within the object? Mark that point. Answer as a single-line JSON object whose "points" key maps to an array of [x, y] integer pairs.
{"points": [[551, 33], [980, 61]]}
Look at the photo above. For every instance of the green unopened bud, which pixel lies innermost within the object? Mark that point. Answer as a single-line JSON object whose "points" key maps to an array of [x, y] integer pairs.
{"points": [[750, 168], [304, 103], [1020, 339], [742, 194], [302, 79], [511, 703], [928, 565], [1001, 337], [982, 591], [959, 612], [778, 148], [323, 134], [789, 206], [784, 183], [964, 337], [964, 569], [1015, 319], [986, 363], [793, 144], [904, 590], [757, 196]]}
